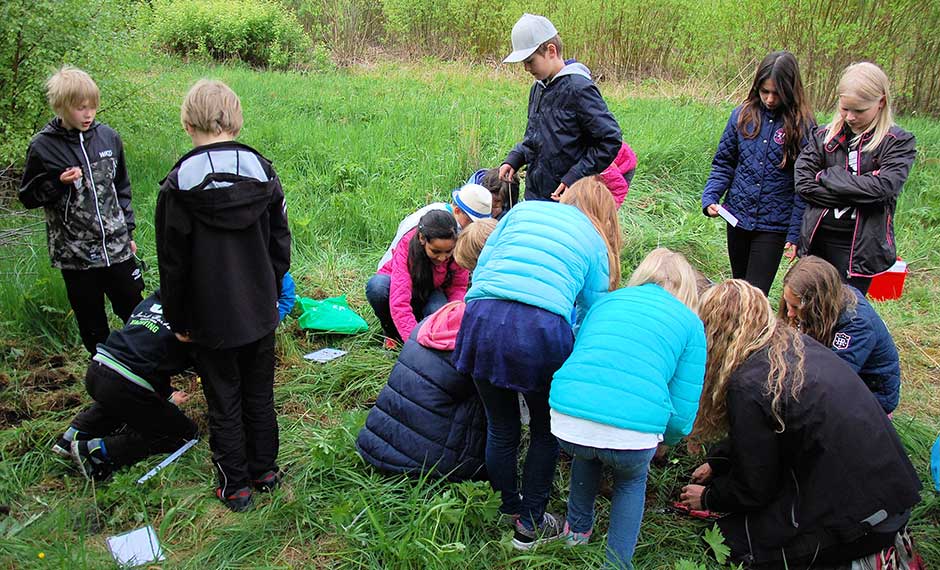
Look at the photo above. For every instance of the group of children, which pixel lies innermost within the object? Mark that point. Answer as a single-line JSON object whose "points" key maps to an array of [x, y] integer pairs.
{"points": [[497, 306], [223, 246]]}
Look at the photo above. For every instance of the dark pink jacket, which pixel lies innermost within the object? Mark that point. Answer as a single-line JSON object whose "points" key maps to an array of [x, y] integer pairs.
{"points": [[617, 176], [399, 294]]}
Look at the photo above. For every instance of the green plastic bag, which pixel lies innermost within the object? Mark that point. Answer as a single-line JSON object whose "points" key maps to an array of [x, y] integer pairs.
{"points": [[331, 315]]}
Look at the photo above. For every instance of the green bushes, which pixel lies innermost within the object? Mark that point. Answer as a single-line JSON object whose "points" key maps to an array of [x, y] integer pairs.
{"points": [[259, 32]]}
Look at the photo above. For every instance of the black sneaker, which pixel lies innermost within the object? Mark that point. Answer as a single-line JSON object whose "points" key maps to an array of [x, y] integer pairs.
{"points": [[550, 529], [89, 461], [239, 501], [268, 481]]}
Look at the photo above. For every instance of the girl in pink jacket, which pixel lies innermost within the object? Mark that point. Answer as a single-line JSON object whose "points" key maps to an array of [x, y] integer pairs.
{"points": [[419, 279], [618, 175]]}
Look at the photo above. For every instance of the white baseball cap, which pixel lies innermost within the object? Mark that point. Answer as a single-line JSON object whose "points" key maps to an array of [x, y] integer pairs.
{"points": [[528, 34], [475, 201]]}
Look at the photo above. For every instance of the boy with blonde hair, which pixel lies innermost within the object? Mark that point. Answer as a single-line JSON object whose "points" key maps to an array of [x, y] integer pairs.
{"points": [[571, 133], [224, 247], [75, 171]]}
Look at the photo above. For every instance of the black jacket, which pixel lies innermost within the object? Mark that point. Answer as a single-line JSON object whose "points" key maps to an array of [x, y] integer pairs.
{"points": [[427, 418], [825, 181], [145, 349], [570, 134], [223, 245], [837, 464], [89, 224]]}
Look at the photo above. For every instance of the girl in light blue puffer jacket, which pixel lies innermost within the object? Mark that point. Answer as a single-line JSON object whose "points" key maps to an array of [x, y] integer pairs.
{"points": [[632, 381]]}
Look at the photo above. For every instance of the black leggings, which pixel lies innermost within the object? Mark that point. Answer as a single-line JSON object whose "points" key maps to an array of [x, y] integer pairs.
{"points": [[755, 256], [835, 246]]}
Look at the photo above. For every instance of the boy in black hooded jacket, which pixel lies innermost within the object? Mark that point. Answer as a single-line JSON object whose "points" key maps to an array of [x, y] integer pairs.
{"points": [[224, 246]]}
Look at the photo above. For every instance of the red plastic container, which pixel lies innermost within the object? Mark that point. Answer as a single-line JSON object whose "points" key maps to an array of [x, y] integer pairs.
{"points": [[890, 284]]}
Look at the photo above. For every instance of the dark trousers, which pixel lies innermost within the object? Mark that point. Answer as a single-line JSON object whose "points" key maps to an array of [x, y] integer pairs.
{"points": [[503, 434], [377, 293], [122, 283], [755, 256], [153, 424], [239, 388], [835, 246]]}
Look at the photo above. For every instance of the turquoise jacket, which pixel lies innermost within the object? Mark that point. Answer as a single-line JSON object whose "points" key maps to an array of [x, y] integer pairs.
{"points": [[546, 255], [638, 364]]}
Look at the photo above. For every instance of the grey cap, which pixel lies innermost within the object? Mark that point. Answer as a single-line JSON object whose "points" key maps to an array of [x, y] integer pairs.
{"points": [[528, 34]]}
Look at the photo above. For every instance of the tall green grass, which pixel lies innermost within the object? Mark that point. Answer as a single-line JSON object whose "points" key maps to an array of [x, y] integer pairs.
{"points": [[356, 151]]}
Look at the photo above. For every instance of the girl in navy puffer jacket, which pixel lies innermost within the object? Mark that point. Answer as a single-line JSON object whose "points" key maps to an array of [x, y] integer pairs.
{"points": [[754, 166]]}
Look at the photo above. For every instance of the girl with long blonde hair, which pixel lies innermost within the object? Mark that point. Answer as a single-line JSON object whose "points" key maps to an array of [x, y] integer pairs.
{"points": [[807, 466], [850, 174]]}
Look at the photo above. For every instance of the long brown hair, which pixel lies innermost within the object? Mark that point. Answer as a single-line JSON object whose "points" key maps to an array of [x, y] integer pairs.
{"points": [[739, 322], [822, 295], [781, 67], [592, 197]]}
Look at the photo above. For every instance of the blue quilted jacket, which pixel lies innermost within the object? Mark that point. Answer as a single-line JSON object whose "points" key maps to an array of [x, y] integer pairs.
{"points": [[427, 419], [863, 340], [745, 171], [638, 363], [546, 255]]}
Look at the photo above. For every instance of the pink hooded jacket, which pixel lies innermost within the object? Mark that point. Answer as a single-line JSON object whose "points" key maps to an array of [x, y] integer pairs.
{"points": [[400, 290], [618, 175]]}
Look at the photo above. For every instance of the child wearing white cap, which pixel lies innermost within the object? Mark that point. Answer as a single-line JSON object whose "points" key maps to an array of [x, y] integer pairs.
{"points": [[571, 133]]}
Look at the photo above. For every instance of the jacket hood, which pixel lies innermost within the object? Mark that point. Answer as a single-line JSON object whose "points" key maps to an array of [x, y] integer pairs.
{"points": [[571, 67], [57, 129]]}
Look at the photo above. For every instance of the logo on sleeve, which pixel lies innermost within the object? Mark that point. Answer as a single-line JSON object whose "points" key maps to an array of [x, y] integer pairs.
{"points": [[780, 136], [841, 341]]}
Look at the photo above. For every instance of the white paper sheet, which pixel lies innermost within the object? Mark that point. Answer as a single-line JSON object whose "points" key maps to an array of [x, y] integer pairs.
{"points": [[325, 354], [727, 216], [136, 547]]}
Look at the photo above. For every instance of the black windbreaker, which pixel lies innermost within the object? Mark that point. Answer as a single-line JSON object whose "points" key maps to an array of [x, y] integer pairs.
{"points": [[837, 468], [223, 245]]}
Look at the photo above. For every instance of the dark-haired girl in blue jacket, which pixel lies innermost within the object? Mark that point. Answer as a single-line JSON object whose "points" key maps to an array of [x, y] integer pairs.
{"points": [[753, 170]]}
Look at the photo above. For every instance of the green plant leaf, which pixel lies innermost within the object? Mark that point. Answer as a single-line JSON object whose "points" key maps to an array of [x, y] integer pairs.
{"points": [[714, 539]]}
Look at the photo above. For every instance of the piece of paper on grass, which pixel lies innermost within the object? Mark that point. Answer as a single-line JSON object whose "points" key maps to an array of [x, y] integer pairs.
{"points": [[136, 547], [325, 354], [727, 216]]}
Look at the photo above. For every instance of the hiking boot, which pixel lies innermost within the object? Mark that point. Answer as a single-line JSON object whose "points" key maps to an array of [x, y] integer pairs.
{"points": [[572, 538], [90, 459], [550, 529], [239, 501], [268, 481]]}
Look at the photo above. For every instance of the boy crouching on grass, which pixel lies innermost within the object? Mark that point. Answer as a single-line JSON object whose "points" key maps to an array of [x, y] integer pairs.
{"points": [[129, 379], [223, 247]]}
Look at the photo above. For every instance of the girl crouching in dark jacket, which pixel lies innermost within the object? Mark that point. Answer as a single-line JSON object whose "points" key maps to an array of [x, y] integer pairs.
{"points": [[811, 472]]}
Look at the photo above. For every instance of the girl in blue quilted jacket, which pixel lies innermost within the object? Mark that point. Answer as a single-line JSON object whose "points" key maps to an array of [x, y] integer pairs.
{"points": [[632, 381], [517, 331], [753, 171]]}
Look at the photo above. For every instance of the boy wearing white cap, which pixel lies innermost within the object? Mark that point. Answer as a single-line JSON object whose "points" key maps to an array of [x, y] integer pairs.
{"points": [[571, 133]]}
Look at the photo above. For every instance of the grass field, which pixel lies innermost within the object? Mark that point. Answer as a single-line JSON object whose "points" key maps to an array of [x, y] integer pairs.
{"points": [[357, 150]]}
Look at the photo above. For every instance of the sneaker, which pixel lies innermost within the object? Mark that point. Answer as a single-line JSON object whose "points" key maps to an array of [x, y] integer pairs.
{"points": [[550, 529], [391, 344], [572, 538], [268, 481], [89, 461], [239, 501], [63, 448]]}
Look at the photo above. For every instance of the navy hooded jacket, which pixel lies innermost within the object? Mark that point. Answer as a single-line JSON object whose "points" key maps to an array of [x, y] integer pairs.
{"points": [[570, 134], [747, 172], [427, 419]]}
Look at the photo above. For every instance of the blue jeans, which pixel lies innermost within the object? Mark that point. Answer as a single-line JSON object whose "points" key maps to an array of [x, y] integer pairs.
{"points": [[377, 293], [503, 433], [630, 467]]}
